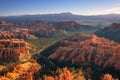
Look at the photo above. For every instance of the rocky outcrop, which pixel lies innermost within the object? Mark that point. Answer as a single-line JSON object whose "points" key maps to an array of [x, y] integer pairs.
{"points": [[11, 50], [25, 71], [33, 29], [99, 54], [65, 74], [30, 30], [43, 31], [108, 77]]}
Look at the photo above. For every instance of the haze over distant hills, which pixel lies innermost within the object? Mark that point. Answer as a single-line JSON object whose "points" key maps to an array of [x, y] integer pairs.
{"points": [[92, 19], [111, 32]]}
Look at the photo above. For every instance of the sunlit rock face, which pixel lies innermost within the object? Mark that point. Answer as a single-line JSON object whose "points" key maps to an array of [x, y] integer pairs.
{"points": [[85, 51], [11, 50]]}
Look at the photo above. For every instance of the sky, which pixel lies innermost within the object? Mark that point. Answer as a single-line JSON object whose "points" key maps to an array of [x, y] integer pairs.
{"points": [[79, 7]]}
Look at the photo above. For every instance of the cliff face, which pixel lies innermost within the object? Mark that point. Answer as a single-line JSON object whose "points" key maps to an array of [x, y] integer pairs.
{"points": [[10, 50], [88, 51], [33, 29], [112, 32], [46, 31], [29, 30], [12, 30]]}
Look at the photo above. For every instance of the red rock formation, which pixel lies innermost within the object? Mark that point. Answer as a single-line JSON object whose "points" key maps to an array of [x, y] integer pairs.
{"points": [[10, 50], [108, 77], [87, 51], [23, 71], [23, 31], [65, 74]]}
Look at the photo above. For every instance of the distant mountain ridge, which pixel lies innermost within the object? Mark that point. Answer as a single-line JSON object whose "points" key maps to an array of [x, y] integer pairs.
{"points": [[93, 19]]}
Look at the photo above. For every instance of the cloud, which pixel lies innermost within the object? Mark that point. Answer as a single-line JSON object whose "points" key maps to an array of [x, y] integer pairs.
{"points": [[115, 10]]}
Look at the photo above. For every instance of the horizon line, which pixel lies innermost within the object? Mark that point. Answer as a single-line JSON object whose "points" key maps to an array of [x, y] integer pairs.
{"points": [[58, 13]]}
